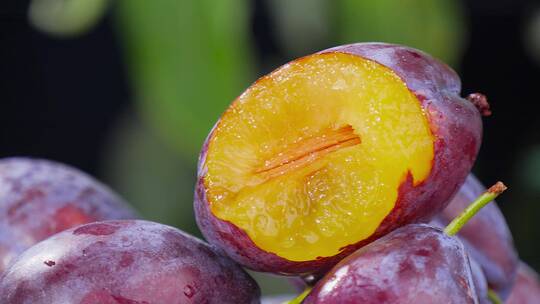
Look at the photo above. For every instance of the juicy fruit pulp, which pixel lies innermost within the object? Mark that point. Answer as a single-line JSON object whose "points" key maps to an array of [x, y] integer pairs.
{"points": [[311, 157]]}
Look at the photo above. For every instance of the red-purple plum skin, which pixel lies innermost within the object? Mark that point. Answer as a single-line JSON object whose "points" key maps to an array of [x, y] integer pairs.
{"points": [[480, 282], [526, 289], [486, 237], [39, 198], [413, 264], [457, 130], [125, 261]]}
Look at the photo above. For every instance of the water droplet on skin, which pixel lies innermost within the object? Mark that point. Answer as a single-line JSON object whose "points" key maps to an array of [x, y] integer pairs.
{"points": [[189, 291], [49, 263]]}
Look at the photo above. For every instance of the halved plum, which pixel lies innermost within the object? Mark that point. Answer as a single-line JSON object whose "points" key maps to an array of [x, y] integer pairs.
{"points": [[332, 151]]}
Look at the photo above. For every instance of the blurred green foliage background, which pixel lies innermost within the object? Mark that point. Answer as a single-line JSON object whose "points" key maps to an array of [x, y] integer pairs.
{"points": [[187, 60]]}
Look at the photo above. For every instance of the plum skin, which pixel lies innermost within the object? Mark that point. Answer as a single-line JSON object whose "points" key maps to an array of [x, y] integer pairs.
{"points": [[39, 198], [455, 124], [125, 261], [526, 290], [480, 282], [486, 237], [416, 263]]}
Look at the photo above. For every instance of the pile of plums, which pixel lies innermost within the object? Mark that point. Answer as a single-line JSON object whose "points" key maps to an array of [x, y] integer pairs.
{"points": [[348, 169], [66, 238]]}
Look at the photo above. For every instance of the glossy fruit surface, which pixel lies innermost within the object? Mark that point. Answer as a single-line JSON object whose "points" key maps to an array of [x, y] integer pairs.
{"points": [[486, 237], [125, 261], [39, 198], [331, 151], [526, 289], [480, 282], [413, 264]]}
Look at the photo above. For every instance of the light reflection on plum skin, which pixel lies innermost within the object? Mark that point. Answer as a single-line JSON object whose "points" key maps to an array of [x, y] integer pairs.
{"points": [[39, 198], [126, 261]]}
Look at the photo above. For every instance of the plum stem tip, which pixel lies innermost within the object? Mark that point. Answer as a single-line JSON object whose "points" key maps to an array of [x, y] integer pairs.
{"points": [[498, 188], [485, 198], [480, 102]]}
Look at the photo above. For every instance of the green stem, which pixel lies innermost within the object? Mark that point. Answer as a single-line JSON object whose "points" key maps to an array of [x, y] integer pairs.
{"points": [[300, 298], [456, 225], [493, 297]]}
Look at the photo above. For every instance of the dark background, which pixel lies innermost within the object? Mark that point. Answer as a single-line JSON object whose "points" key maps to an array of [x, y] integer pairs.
{"points": [[62, 99]]}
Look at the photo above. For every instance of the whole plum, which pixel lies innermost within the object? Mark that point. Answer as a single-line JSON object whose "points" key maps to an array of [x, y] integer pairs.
{"points": [[39, 198], [125, 261]]}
